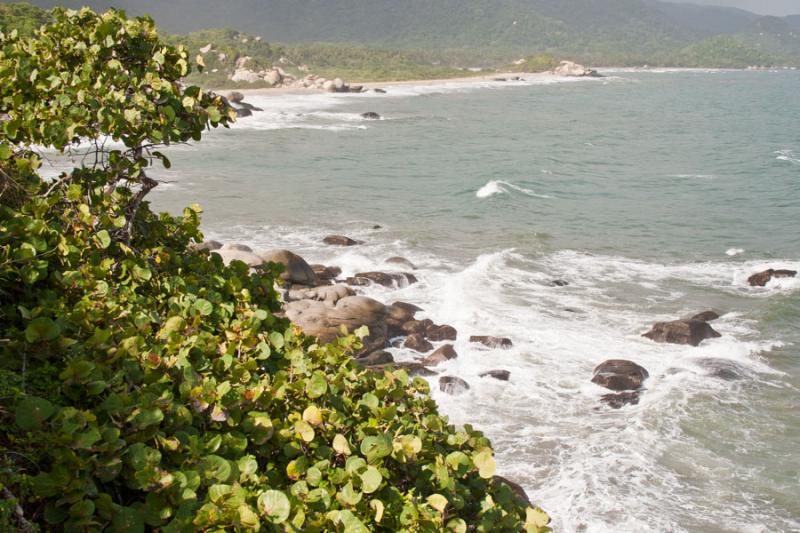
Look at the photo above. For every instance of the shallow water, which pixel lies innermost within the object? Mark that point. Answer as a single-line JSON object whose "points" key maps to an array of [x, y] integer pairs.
{"points": [[654, 195]]}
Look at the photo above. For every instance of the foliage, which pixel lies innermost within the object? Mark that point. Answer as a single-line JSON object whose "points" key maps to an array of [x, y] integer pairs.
{"points": [[147, 385], [538, 63], [724, 52], [24, 18]]}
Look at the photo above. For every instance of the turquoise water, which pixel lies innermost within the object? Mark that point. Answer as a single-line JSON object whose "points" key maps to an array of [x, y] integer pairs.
{"points": [[655, 194]]}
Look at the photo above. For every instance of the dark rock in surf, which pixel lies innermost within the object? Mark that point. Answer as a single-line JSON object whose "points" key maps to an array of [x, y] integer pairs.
{"points": [[492, 342], [559, 283], [376, 358], [401, 261], [382, 278], [441, 355], [371, 115], [379, 91], [620, 399], [705, 316], [452, 385], [723, 369], [236, 97], [418, 327], [326, 273], [340, 240], [691, 332], [418, 343], [762, 278], [518, 491], [398, 314], [441, 333], [619, 375], [502, 375]]}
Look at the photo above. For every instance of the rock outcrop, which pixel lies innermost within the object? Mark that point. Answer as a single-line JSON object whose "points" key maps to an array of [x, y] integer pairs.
{"points": [[502, 375], [418, 343], [620, 375], [340, 240], [396, 260], [705, 316], [324, 321], [441, 333], [329, 294], [229, 255], [441, 355], [296, 270], [387, 279], [762, 278], [691, 332], [452, 385], [371, 115], [492, 342], [574, 70]]}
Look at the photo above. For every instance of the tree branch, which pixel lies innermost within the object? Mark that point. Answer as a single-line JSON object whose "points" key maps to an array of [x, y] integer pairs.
{"points": [[24, 525]]}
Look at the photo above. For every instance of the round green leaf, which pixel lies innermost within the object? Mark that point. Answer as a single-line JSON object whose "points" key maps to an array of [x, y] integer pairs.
{"points": [[438, 502], [485, 463], [41, 329], [274, 505], [31, 412], [371, 480], [127, 520], [317, 385]]}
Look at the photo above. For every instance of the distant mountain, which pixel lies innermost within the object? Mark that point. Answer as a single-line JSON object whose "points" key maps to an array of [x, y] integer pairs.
{"points": [[476, 32]]}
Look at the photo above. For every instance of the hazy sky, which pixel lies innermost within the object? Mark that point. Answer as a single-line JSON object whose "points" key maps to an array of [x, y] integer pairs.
{"points": [[765, 7]]}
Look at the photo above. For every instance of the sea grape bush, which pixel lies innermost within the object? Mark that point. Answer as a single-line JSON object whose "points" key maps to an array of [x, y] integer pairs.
{"points": [[146, 386]]}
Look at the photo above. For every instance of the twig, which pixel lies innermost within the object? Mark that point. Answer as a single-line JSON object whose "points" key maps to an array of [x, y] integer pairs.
{"points": [[24, 525]]}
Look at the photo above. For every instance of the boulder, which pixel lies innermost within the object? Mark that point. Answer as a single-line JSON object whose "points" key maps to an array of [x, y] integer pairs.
{"points": [[324, 321], [296, 270], [705, 316], [573, 70], [236, 246], [273, 77], [492, 342], [370, 115], [441, 355], [382, 278], [620, 399], [379, 91], [329, 294], [355, 89], [378, 357], [209, 245], [340, 240], [396, 260], [326, 273], [248, 258], [691, 332], [418, 327], [619, 375], [441, 333], [518, 491], [245, 75], [559, 283], [413, 369], [338, 85], [417, 343], [762, 278], [236, 97], [329, 86], [452, 385], [243, 112], [398, 314], [502, 375]]}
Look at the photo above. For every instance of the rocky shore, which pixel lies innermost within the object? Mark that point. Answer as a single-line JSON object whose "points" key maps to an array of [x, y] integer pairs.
{"points": [[319, 300]]}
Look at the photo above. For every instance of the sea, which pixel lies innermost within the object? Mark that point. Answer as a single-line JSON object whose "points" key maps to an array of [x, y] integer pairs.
{"points": [[654, 194]]}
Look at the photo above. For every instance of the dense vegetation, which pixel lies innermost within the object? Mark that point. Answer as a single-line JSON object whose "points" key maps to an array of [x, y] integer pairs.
{"points": [[472, 33], [145, 385]]}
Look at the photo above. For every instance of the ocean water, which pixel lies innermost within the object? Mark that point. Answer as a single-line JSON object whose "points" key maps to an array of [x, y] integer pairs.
{"points": [[654, 194]]}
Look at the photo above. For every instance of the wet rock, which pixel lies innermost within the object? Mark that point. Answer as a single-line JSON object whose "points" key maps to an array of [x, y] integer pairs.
{"points": [[296, 270], [379, 91], [398, 314], [518, 491], [723, 369], [419, 327], [229, 255], [326, 273], [236, 246], [387, 279], [573, 70], [620, 399], [371, 115], [619, 375], [441, 355], [705, 316], [376, 358], [418, 343], [441, 333], [559, 283], [413, 369], [329, 294], [208, 245], [452, 385], [762, 278], [324, 321], [377, 226], [243, 112], [492, 342], [499, 79], [340, 240], [401, 261], [236, 97], [502, 375], [691, 332]]}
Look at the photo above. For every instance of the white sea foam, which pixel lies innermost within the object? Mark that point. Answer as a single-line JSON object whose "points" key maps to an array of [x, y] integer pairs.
{"points": [[734, 251], [494, 187], [789, 156]]}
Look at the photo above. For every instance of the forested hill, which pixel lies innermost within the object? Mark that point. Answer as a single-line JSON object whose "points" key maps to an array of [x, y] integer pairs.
{"points": [[487, 31]]}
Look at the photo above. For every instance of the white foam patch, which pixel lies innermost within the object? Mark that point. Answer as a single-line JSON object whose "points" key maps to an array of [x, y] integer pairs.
{"points": [[732, 252], [790, 156], [494, 187]]}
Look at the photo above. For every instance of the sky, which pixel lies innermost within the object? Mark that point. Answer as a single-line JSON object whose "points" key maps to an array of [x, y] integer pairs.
{"points": [[764, 7]]}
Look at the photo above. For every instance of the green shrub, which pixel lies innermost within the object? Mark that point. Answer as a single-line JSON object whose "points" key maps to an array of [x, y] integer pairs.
{"points": [[144, 384]]}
